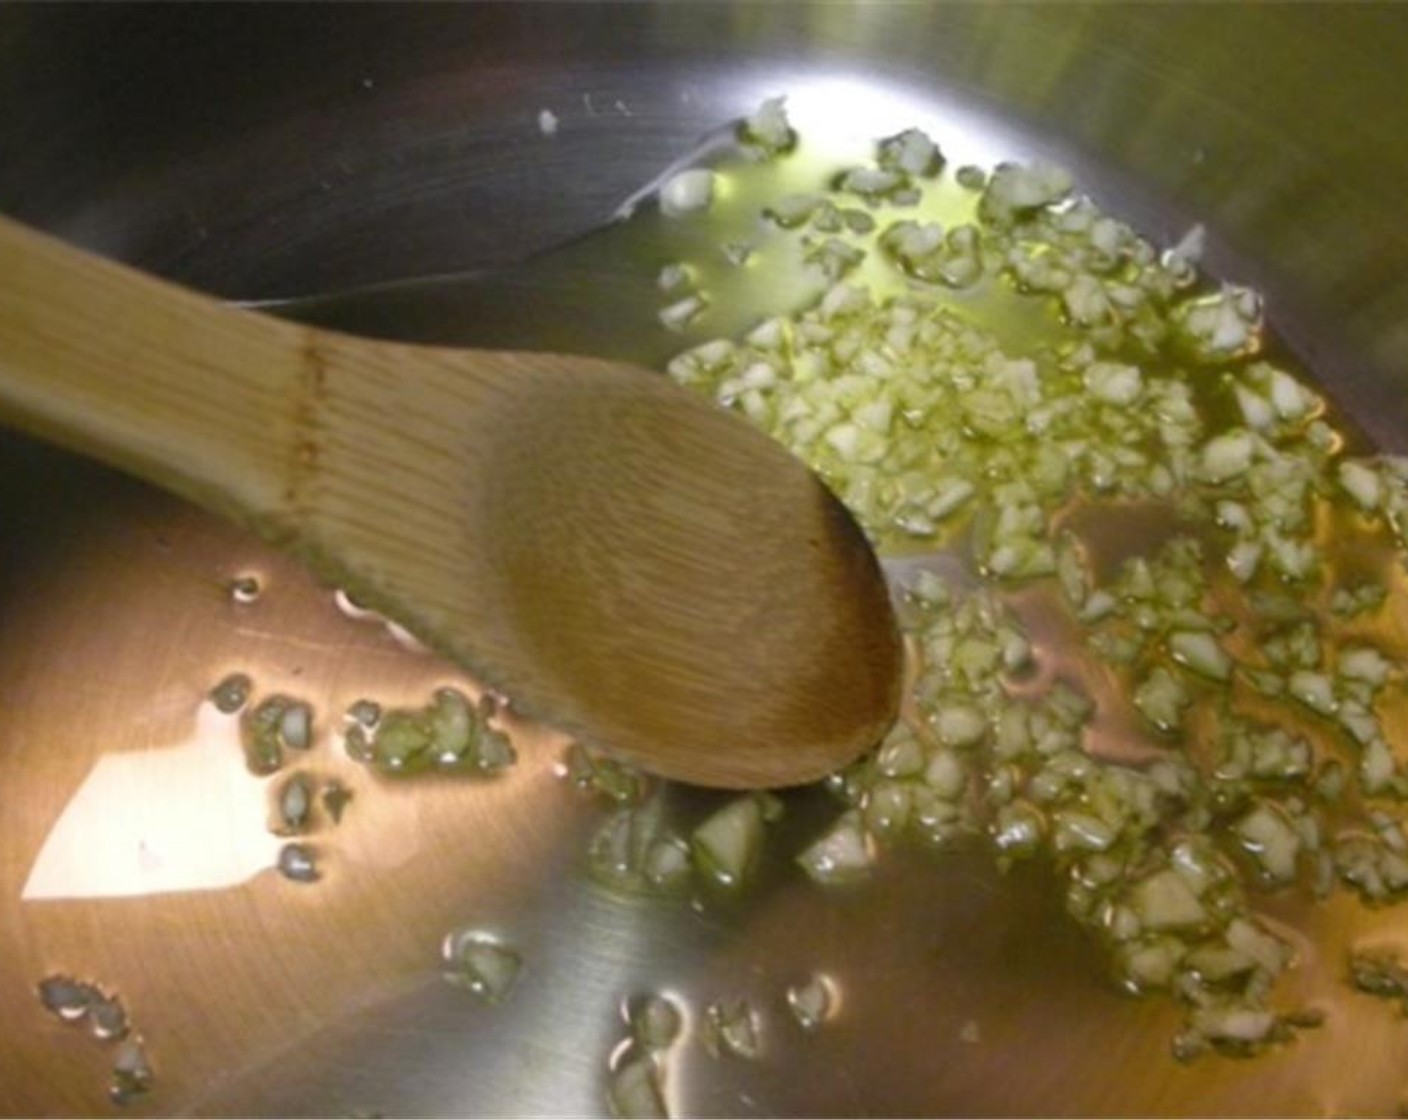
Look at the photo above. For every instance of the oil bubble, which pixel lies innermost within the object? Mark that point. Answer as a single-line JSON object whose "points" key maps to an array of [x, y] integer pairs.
{"points": [[299, 863]]}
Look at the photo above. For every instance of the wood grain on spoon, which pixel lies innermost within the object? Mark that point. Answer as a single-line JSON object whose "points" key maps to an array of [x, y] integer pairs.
{"points": [[623, 559]]}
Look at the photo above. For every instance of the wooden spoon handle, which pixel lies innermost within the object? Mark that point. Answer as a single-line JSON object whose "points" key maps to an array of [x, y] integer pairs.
{"points": [[210, 410]]}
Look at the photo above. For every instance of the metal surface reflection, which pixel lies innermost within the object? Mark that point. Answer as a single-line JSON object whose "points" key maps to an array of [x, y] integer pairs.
{"points": [[187, 817]]}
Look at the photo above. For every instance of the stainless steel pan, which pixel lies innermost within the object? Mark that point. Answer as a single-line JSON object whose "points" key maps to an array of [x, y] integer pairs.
{"points": [[269, 151]]}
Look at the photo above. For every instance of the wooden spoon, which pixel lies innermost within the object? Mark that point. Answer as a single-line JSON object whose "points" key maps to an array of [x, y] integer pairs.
{"points": [[621, 558]]}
